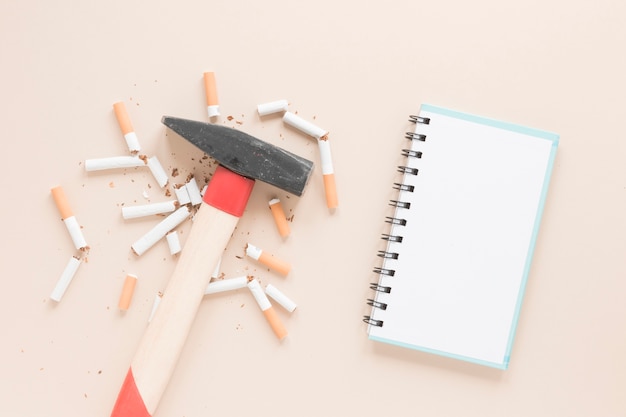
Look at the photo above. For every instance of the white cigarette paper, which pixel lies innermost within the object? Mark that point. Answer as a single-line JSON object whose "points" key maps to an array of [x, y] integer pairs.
{"points": [[194, 192], [182, 195], [226, 285], [258, 294], [325, 157], [216, 271], [114, 162], [173, 242], [157, 170], [155, 304], [143, 210], [75, 232], [253, 252], [160, 230], [272, 107], [65, 279], [133, 142], [304, 126], [280, 298]]}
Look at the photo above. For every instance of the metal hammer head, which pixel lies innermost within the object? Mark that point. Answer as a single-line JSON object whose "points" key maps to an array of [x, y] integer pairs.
{"points": [[245, 154]]}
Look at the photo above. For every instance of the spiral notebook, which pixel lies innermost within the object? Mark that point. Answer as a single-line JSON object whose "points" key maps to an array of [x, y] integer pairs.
{"points": [[460, 242]]}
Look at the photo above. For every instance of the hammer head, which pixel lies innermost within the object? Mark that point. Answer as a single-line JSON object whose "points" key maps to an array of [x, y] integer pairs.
{"points": [[245, 154]]}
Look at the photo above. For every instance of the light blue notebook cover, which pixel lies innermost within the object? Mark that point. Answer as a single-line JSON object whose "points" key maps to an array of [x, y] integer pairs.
{"points": [[460, 246]]}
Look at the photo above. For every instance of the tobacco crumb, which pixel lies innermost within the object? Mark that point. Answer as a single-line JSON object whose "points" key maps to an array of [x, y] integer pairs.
{"points": [[238, 257], [291, 218], [144, 158], [230, 118], [111, 184], [175, 172], [168, 193], [325, 137]]}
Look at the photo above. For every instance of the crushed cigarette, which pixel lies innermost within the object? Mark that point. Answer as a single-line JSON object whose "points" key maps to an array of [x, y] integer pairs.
{"points": [[173, 242], [194, 192], [267, 309], [182, 195], [272, 107], [304, 126], [280, 298], [160, 230], [113, 162], [132, 212], [210, 88], [126, 126], [279, 217], [127, 292], [268, 260], [226, 285], [58, 194], [157, 170], [65, 279]]}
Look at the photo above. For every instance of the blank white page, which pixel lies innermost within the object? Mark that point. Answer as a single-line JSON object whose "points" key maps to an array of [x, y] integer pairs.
{"points": [[469, 236]]}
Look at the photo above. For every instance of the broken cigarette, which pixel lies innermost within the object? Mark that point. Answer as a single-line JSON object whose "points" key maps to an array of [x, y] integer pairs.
{"points": [[144, 210], [182, 194], [194, 192], [272, 107], [226, 285], [127, 128], [157, 170], [267, 259], [279, 217], [114, 162], [127, 292], [210, 88], [68, 218], [160, 230], [280, 298], [155, 304], [173, 242], [65, 279], [266, 307], [321, 136]]}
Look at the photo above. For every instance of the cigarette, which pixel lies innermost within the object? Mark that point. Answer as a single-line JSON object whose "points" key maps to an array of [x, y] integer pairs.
{"points": [[266, 307], [280, 298], [267, 259], [328, 173], [68, 218], [160, 230], [304, 126], [182, 195], [226, 285], [194, 192], [155, 304], [127, 292], [127, 128], [210, 88], [325, 155], [279, 217], [65, 279], [173, 242], [144, 210], [157, 170], [114, 162], [272, 107]]}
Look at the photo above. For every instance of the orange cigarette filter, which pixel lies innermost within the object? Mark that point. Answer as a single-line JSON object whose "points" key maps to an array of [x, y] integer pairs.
{"points": [[127, 292], [279, 217], [210, 88], [277, 326], [58, 194], [122, 117], [276, 264], [331, 191]]}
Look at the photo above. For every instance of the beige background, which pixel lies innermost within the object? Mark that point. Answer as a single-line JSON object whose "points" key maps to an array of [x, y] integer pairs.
{"points": [[357, 70]]}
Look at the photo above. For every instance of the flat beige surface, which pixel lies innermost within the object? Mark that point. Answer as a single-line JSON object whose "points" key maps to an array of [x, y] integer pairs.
{"points": [[357, 70]]}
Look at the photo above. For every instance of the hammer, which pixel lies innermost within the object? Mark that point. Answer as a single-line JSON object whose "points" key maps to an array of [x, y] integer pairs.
{"points": [[243, 159]]}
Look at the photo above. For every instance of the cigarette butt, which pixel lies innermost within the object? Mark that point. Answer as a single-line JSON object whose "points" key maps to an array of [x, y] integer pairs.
{"points": [[160, 230], [127, 292], [126, 126], [113, 162], [268, 310], [328, 172], [173, 242], [272, 107], [304, 126], [155, 304], [76, 233], [279, 217], [268, 260], [65, 279], [280, 298], [210, 88], [194, 192], [144, 210], [157, 170], [226, 285]]}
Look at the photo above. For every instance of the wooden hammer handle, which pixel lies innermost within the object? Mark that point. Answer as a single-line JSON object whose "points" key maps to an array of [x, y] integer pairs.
{"points": [[160, 347]]}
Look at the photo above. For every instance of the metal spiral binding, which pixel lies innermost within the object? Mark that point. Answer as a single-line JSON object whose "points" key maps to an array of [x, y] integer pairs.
{"points": [[408, 153]]}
